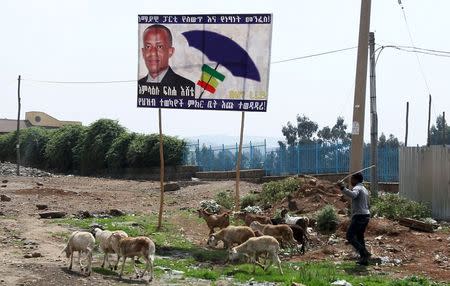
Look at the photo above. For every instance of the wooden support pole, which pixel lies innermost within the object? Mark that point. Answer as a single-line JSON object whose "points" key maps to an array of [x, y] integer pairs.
{"points": [[444, 127], [359, 103], [18, 128], [161, 173], [407, 124], [429, 121], [237, 201]]}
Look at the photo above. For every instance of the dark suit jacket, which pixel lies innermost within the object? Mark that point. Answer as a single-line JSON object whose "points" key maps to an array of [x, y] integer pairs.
{"points": [[171, 79]]}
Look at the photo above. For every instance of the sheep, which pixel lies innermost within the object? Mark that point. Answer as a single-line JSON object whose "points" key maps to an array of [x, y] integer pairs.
{"points": [[231, 235], [81, 241], [108, 245], [281, 232], [302, 221], [136, 246], [256, 246], [300, 234], [248, 218], [214, 220]]}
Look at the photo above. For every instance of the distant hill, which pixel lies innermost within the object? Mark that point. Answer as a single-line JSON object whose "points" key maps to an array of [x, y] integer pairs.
{"points": [[219, 139]]}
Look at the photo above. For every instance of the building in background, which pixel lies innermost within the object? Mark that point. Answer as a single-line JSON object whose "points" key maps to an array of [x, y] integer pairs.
{"points": [[34, 119]]}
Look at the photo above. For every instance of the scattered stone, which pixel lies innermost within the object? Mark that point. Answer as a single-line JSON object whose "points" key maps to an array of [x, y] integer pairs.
{"points": [[2, 213], [4, 186], [341, 283], [41, 207], [36, 254], [28, 255], [52, 214], [170, 187], [4, 181], [7, 169], [116, 212], [30, 242], [83, 214], [439, 239], [312, 182], [39, 184], [5, 198]]}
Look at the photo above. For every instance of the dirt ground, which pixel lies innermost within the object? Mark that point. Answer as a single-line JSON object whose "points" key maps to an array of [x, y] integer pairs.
{"points": [[23, 232]]}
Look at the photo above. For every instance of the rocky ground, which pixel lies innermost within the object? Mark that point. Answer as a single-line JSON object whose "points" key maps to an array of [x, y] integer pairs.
{"points": [[30, 247]]}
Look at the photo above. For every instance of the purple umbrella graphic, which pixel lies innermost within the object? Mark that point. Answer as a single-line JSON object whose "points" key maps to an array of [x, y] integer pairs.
{"points": [[224, 51]]}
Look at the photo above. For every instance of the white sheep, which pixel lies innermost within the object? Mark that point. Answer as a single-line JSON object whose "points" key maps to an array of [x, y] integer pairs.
{"points": [[256, 246], [81, 241], [231, 235], [109, 245], [302, 221], [140, 246]]}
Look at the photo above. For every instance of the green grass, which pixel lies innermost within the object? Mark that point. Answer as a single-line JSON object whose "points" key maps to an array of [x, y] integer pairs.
{"points": [[200, 263]]}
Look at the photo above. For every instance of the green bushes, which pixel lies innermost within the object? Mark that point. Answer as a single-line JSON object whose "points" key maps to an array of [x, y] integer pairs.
{"points": [[393, 206], [225, 199], [94, 146], [103, 146], [249, 200], [327, 220], [60, 148], [277, 190]]}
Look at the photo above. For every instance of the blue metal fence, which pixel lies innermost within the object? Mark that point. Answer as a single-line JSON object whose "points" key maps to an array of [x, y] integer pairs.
{"points": [[300, 159]]}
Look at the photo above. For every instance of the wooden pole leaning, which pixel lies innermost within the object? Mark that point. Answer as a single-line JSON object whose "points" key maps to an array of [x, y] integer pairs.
{"points": [[161, 173], [238, 165]]}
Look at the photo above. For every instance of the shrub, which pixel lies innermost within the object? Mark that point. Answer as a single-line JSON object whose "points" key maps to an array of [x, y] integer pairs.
{"points": [[210, 206], [116, 157], [327, 220], [393, 206], [94, 146], [249, 200], [32, 146], [277, 190], [60, 148], [225, 199], [8, 147], [143, 151]]}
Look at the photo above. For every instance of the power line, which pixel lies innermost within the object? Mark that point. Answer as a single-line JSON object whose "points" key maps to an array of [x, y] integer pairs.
{"points": [[313, 55], [412, 44]]}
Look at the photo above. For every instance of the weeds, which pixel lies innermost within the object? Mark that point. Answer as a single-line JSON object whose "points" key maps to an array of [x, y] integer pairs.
{"points": [[393, 206]]}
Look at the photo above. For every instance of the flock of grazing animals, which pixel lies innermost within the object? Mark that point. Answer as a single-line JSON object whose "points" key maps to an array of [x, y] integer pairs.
{"points": [[261, 236], [111, 242]]}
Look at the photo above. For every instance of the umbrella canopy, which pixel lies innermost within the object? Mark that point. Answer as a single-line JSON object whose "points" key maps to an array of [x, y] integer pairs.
{"points": [[226, 52]]}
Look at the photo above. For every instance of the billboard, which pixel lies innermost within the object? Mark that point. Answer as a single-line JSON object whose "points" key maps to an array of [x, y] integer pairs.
{"points": [[207, 62]]}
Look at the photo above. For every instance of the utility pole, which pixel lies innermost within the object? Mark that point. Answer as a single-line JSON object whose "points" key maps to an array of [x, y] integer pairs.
{"points": [[429, 121], [373, 119], [407, 125], [356, 157], [443, 128], [18, 128]]}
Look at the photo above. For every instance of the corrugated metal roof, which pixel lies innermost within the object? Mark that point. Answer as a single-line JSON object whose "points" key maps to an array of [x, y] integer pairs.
{"points": [[9, 125]]}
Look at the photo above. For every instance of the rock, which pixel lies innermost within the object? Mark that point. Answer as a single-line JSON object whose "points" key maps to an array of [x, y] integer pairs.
{"points": [[4, 186], [28, 255], [5, 198], [4, 181], [116, 212], [341, 283], [41, 207], [39, 184], [170, 187], [439, 239], [52, 214], [297, 284], [83, 214], [30, 242], [312, 182], [2, 213], [36, 254]]}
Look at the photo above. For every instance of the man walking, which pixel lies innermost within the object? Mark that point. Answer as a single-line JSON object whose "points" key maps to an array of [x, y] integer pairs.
{"points": [[360, 216]]}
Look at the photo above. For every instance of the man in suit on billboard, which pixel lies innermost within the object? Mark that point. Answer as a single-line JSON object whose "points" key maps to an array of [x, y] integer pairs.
{"points": [[156, 51]]}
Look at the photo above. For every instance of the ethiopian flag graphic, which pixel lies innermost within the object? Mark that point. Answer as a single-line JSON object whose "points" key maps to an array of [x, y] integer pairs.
{"points": [[210, 79]]}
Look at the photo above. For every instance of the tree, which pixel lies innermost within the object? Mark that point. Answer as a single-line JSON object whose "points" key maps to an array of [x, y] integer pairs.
{"points": [[391, 142], [436, 132], [336, 134], [302, 133]]}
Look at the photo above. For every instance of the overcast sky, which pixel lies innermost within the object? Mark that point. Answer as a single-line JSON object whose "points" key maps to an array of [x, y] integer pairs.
{"points": [[97, 41]]}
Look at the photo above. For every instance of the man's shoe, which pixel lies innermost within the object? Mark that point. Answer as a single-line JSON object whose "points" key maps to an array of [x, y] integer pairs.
{"points": [[364, 261]]}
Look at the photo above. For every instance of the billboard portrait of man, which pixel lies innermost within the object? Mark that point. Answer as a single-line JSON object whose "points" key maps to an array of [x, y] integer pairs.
{"points": [[156, 51]]}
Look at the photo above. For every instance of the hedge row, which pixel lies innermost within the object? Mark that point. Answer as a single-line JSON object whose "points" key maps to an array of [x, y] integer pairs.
{"points": [[103, 145]]}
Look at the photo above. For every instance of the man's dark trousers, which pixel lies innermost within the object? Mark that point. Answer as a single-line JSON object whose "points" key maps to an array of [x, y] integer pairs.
{"points": [[355, 234]]}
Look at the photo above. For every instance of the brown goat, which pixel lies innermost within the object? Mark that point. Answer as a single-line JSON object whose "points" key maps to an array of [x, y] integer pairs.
{"points": [[248, 218], [214, 220]]}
